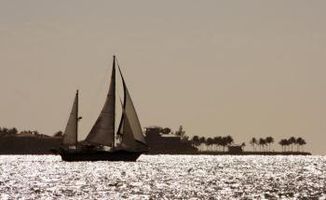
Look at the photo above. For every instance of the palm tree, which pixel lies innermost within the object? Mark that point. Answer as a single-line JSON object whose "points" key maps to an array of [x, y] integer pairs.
{"points": [[253, 143], [303, 142], [269, 141], [282, 143], [224, 143], [297, 141], [217, 141], [262, 143], [287, 143], [209, 142], [300, 142], [291, 141]]}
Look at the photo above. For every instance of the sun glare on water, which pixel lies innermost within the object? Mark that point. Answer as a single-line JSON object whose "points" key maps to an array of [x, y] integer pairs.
{"points": [[164, 177]]}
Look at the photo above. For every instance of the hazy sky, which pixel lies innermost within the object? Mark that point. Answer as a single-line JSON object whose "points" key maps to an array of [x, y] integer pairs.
{"points": [[244, 68]]}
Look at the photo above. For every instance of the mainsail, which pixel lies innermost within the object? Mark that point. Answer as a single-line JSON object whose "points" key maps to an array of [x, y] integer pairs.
{"points": [[102, 132], [70, 134]]}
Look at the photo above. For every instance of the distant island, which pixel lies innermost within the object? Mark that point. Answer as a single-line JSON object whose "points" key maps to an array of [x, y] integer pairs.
{"points": [[163, 140], [27, 142], [160, 140]]}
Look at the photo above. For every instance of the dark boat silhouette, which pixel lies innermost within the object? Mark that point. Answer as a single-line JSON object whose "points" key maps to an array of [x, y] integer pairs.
{"points": [[101, 144]]}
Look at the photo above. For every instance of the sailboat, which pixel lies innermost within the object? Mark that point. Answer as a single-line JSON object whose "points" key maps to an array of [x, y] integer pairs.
{"points": [[100, 144]]}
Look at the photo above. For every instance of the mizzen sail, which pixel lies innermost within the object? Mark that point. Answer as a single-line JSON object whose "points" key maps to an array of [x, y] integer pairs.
{"points": [[70, 134]]}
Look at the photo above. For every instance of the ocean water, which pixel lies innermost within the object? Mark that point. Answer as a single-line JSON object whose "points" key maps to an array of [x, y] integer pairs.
{"points": [[165, 177]]}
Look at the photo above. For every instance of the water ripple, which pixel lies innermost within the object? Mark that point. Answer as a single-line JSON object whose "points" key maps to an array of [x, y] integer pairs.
{"points": [[165, 177]]}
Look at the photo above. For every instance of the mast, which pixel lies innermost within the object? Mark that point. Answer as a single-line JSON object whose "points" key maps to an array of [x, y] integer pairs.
{"points": [[77, 107], [114, 111]]}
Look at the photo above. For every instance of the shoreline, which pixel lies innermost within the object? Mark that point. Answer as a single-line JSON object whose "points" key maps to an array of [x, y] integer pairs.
{"points": [[239, 154], [41, 145], [184, 153]]}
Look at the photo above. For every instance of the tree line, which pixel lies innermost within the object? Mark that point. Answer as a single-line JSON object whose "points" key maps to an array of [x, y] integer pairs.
{"points": [[288, 144], [264, 144], [219, 143], [8, 131], [14, 131], [212, 143]]}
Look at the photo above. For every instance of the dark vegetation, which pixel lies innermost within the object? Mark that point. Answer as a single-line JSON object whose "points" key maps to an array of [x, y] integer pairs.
{"points": [[13, 141], [219, 143], [286, 144]]}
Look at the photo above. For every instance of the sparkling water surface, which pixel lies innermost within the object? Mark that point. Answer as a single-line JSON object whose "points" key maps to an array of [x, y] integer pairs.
{"points": [[165, 177]]}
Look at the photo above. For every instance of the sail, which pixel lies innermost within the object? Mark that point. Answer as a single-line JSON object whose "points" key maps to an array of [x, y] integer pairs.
{"points": [[131, 120], [128, 139], [70, 134], [130, 128], [102, 132]]}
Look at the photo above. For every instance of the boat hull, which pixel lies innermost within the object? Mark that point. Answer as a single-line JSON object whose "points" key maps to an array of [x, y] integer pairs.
{"points": [[80, 155]]}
